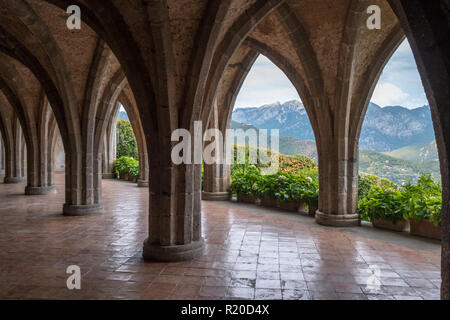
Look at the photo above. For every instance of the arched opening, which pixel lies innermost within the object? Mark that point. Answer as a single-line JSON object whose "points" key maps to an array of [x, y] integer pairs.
{"points": [[398, 124], [400, 182], [174, 57], [124, 147], [271, 140]]}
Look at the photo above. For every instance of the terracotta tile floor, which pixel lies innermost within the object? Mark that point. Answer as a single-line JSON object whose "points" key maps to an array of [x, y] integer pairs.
{"points": [[248, 255]]}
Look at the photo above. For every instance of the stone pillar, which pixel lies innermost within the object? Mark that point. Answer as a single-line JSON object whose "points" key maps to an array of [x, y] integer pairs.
{"points": [[15, 158], [426, 25], [40, 159], [175, 210], [216, 182], [109, 148], [143, 168], [2, 156], [108, 157], [338, 183], [216, 177], [83, 187]]}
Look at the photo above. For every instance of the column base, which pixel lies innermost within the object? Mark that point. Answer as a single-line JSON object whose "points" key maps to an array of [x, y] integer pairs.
{"points": [[82, 210], [142, 183], [39, 191], [108, 176], [215, 196], [11, 180], [190, 251], [335, 220]]}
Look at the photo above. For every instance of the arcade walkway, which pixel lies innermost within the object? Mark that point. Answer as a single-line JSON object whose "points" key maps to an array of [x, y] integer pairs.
{"points": [[251, 253]]}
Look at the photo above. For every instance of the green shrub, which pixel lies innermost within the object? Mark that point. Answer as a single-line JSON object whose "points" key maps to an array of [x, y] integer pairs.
{"points": [[386, 204], [420, 201], [302, 187], [243, 179], [126, 141], [127, 165], [425, 200], [364, 186]]}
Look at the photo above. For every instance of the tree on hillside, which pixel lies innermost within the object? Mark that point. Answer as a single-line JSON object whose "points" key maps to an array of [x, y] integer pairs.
{"points": [[126, 141]]}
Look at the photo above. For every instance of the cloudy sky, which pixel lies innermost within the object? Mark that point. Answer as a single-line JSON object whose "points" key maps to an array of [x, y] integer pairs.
{"points": [[398, 85]]}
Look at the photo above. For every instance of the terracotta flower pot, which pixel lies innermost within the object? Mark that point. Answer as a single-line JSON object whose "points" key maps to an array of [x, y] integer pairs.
{"points": [[312, 211], [425, 228], [400, 225], [289, 205], [125, 176], [245, 198], [269, 202]]}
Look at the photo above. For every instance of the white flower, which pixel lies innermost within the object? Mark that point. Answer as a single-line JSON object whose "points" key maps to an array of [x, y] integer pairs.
{"points": [[309, 179]]}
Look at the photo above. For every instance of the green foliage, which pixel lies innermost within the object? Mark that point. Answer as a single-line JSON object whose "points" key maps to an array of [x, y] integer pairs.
{"points": [[248, 180], [126, 141], [383, 204], [364, 186], [244, 178], [297, 180], [425, 200], [127, 165], [420, 201]]}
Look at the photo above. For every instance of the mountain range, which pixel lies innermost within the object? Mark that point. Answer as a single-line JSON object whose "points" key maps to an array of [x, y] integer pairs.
{"points": [[384, 129], [395, 143]]}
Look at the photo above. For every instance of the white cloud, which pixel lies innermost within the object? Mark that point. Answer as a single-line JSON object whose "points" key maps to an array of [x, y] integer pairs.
{"points": [[399, 84], [388, 94], [265, 84]]}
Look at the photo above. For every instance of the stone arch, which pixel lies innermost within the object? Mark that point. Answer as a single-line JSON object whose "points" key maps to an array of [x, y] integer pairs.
{"points": [[217, 176], [21, 136], [33, 112], [225, 107], [11, 132], [229, 45], [129, 105], [426, 26], [40, 53]]}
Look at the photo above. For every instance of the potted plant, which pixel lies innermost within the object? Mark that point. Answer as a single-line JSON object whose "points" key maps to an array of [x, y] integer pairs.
{"points": [[385, 209], [425, 207], [127, 168], [311, 196], [268, 191], [244, 179]]}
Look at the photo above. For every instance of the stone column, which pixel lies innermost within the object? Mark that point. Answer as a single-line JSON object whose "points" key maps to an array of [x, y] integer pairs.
{"points": [[338, 183], [216, 182], [426, 26], [2, 156], [143, 168], [216, 177], [83, 191], [40, 160], [109, 148], [14, 165], [108, 157], [175, 211]]}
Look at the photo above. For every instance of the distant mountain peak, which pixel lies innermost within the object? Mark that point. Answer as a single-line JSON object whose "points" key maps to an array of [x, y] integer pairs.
{"points": [[384, 129]]}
